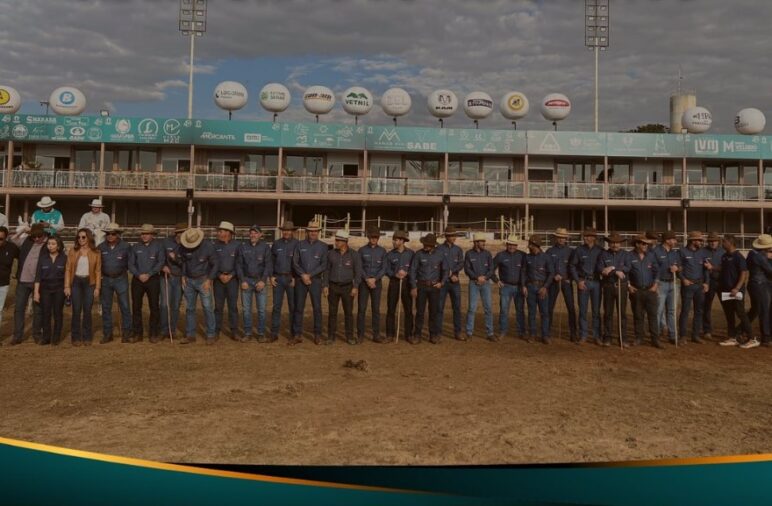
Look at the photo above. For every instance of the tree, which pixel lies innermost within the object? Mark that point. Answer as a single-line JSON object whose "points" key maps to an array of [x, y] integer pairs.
{"points": [[650, 128]]}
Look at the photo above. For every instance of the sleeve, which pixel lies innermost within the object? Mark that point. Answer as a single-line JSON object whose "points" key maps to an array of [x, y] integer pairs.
{"points": [[468, 266], [679, 262], [268, 271], [327, 269], [82, 223], [445, 270], [132, 262], [296, 267], [59, 224], [321, 267], [68, 274], [742, 264], [39, 270], [655, 270], [358, 274], [489, 274], [413, 276], [240, 265], [573, 264], [387, 265], [214, 263], [627, 262], [599, 264], [550, 268], [494, 266], [764, 264], [159, 260], [524, 271], [705, 271], [382, 270]]}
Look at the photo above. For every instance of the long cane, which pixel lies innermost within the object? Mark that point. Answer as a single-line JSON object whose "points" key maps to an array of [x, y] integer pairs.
{"points": [[675, 309], [619, 311], [168, 309], [399, 310]]}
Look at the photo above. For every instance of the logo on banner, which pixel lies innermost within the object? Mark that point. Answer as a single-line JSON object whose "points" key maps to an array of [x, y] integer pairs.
{"points": [[550, 144], [123, 126]]}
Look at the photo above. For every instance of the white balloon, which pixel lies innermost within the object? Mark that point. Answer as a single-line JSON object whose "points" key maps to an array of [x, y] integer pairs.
{"points": [[555, 107], [230, 95], [318, 100], [10, 100], [514, 105], [478, 105], [697, 120], [442, 103], [750, 121], [357, 101], [275, 97], [67, 101], [396, 102]]}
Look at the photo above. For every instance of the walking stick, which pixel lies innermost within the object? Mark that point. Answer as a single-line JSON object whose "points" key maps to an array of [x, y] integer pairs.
{"points": [[619, 311], [168, 308], [675, 309], [399, 310]]}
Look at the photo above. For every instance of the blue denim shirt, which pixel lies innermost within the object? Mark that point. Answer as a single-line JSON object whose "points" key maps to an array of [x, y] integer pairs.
{"points": [[714, 256], [560, 255], [254, 261], [146, 258], [373, 261], [310, 258], [50, 273], [115, 260], [432, 266], [282, 252], [455, 256], [759, 267], [644, 272], [538, 267], [478, 263], [200, 261], [583, 262], [620, 261], [692, 267], [396, 261], [510, 267], [227, 256], [170, 245], [665, 260]]}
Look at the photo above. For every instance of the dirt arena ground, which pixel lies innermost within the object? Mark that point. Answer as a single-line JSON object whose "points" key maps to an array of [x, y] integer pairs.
{"points": [[453, 403]]}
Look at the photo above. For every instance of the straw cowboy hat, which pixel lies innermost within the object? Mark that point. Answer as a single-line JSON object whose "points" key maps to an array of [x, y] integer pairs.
{"points": [[113, 227], [640, 238], [96, 203], [192, 237], [560, 233], [450, 230], [429, 240], [512, 239], [147, 228], [342, 235], [666, 236], [590, 232], [288, 225], [763, 242], [535, 241], [401, 234], [652, 237], [227, 225], [313, 226], [46, 202], [696, 235], [479, 236], [614, 237], [713, 236], [180, 227]]}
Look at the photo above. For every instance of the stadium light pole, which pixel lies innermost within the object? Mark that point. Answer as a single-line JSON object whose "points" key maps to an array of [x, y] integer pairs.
{"points": [[192, 23], [596, 35]]}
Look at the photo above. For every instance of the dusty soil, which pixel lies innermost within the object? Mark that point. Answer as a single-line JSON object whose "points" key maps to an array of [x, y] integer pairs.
{"points": [[453, 403]]}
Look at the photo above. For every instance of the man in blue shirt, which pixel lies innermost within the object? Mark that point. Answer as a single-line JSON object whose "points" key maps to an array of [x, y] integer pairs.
{"points": [[373, 259], [309, 263], [146, 259], [508, 265], [455, 256], [644, 274], [760, 286], [713, 253], [668, 261], [226, 285], [171, 287], [560, 254], [254, 268], [429, 270], [283, 279], [115, 266], [612, 267], [537, 277], [199, 269], [341, 280], [694, 285], [734, 275], [398, 262], [582, 270], [478, 266]]}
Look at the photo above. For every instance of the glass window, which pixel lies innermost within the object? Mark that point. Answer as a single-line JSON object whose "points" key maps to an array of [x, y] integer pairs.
{"points": [[677, 175], [750, 175], [224, 166], [731, 174], [253, 164], [454, 169], [432, 168], [271, 164], [295, 165], [108, 161], [384, 169], [619, 173], [44, 162], [340, 169], [565, 172], [315, 166], [470, 169], [147, 161], [713, 174], [85, 161], [540, 174], [500, 170], [768, 175], [125, 160], [694, 176]]}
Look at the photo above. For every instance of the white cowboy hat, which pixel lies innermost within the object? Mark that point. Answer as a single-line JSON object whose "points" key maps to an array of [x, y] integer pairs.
{"points": [[479, 236], [763, 242], [96, 203], [342, 235], [227, 225], [46, 202], [512, 239], [192, 237]]}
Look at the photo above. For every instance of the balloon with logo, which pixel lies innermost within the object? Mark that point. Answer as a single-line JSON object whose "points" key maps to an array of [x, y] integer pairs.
{"points": [[275, 98], [396, 102], [442, 104], [318, 100], [478, 105], [555, 107], [697, 120], [514, 106], [10, 100], [67, 101], [230, 96], [357, 101], [750, 121]]}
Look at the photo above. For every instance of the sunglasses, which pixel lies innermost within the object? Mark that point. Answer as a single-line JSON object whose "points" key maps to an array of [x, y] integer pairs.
{"points": [[82, 237], [111, 233]]}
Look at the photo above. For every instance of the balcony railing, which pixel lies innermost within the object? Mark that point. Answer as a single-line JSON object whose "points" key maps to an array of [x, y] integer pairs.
{"points": [[255, 183], [215, 182], [385, 186], [768, 192], [33, 178], [626, 191], [723, 192], [511, 189], [741, 193], [312, 184], [548, 190], [584, 191], [466, 188], [424, 187], [662, 191]]}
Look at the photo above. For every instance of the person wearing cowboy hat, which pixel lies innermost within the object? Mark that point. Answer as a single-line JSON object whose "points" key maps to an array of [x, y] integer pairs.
{"points": [[560, 254], [254, 269], [226, 285], [373, 259], [145, 263], [452, 288], [51, 218], [538, 275], [341, 281], [429, 270], [759, 262], [398, 262], [669, 263], [31, 245], [644, 274], [282, 277], [309, 263], [734, 276], [199, 270], [694, 284], [478, 266], [613, 267], [713, 254], [115, 267], [508, 266], [95, 220], [582, 270], [171, 287]]}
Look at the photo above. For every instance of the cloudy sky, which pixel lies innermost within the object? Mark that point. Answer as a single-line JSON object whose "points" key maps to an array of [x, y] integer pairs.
{"points": [[128, 56]]}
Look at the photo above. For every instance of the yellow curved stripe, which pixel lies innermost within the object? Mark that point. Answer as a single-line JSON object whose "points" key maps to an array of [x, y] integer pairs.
{"points": [[694, 461], [149, 464]]}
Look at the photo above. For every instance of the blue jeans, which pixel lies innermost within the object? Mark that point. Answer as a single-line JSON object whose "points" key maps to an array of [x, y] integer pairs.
{"points": [[591, 295], [301, 291], [82, 295], [761, 307], [175, 299], [665, 309], [454, 290], [566, 287], [246, 306], [226, 292], [543, 304], [507, 294], [707, 311], [477, 292], [193, 289], [119, 285], [24, 293], [694, 296], [282, 287]]}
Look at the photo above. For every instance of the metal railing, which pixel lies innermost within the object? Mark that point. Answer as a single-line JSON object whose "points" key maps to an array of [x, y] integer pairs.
{"points": [[584, 190], [741, 193], [313, 184], [768, 192], [723, 192], [424, 187], [215, 182], [511, 189], [466, 188], [386, 186], [662, 191], [33, 178], [255, 183], [626, 191]]}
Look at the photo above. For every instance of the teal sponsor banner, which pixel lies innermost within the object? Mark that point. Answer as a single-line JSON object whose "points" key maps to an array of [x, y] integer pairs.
{"points": [[566, 143], [645, 145], [430, 140], [323, 136], [485, 141], [749, 147], [233, 133]]}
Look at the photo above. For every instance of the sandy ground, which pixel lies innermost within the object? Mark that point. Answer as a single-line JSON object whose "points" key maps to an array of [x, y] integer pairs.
{"points": [[453, 403]]}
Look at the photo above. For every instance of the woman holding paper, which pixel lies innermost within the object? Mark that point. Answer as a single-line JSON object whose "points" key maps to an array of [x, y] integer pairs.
{"points": [[734, 275]]}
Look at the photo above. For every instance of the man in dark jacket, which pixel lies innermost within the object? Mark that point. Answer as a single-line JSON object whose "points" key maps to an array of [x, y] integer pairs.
{"points": [[30, 246], [9, 253]]}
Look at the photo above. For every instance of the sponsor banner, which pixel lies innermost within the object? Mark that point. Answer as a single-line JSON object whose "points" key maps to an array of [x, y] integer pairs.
{"points": [[233, 133], [431, 140], [322, 136], [645, 145], [566, 143], [751, 147], [485, 141]]}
